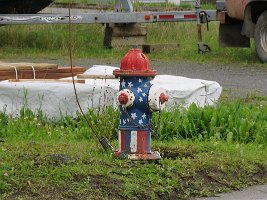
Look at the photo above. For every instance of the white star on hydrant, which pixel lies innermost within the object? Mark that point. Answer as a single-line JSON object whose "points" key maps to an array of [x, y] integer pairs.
{"points": [[123, 84], [144, 116], [130, 85], [139, 90], [133, 115], [140, 121]]}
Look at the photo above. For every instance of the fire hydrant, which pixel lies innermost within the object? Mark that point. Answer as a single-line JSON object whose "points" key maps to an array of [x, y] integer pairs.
{"points": [[138, 99]]}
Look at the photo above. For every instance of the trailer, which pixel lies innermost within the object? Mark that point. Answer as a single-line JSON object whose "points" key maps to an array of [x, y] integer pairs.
{"points": [[234, 31]]}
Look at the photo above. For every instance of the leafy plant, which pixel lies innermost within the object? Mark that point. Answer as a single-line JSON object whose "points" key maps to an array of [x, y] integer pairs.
{"points": [[234, 121]]}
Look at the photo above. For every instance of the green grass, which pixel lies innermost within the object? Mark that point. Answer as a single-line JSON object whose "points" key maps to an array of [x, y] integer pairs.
{"points": [[79, 170], [40, 158], [137, 5], [49, 41]]}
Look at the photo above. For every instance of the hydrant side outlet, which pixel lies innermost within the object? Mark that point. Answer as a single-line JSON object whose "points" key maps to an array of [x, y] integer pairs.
{"points": [[126, 98]]}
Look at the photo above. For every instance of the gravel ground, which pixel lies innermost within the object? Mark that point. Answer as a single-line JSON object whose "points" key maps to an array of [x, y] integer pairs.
{"points": [[239, 80], [251, 193]]}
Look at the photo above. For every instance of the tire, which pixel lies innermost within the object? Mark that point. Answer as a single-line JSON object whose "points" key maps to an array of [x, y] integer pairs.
{"points": [[260, 36]]}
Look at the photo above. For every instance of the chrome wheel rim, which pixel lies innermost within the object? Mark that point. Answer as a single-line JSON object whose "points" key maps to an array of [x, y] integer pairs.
{"points": [[263, 38]]}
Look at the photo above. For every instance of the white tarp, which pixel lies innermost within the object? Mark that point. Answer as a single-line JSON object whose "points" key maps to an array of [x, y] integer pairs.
{"points": [[58, 99]]}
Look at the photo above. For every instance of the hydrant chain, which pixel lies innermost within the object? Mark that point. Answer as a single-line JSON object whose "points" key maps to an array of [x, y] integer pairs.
{"points": [[154, 129], [149, 125], [158, 125]]}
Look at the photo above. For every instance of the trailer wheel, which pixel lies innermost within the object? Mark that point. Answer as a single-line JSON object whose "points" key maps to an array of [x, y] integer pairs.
{"points": [[260, 37]]}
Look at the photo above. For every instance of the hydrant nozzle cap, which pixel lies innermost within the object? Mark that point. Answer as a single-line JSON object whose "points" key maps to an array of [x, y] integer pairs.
{"points": [[123, 98], [163, 98], [135, 63]]}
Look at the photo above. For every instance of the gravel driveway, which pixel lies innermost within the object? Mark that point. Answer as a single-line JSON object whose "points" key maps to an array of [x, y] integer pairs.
{"points": [[240, 80]]}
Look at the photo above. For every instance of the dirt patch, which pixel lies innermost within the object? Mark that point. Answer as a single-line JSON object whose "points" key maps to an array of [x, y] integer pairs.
{"points": [[260, 174], [57, 159], [108, 185], [207, 182], [99, 187], [53, 160], [216, 181], [202, 179]]}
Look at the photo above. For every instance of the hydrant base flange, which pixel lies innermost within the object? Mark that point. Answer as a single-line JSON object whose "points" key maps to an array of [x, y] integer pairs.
{"points": [[135, 156]]}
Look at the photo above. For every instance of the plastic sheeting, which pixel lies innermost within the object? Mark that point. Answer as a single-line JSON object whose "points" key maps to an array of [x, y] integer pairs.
{"points": [[58, 99]]}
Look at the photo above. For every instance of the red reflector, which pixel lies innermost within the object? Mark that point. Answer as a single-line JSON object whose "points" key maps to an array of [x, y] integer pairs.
{"points": [[166, 17], [147, 17], [190, 16]]}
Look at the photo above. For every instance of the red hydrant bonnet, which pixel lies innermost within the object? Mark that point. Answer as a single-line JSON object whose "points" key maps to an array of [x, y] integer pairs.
{"points": [[135, 63]]}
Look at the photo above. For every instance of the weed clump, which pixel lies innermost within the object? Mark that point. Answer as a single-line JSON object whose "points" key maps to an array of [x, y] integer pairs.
{"points": [[234, 121]]}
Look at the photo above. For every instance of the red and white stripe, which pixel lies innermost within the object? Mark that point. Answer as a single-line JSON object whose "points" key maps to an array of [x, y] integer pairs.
{"points": [[134, 141]]}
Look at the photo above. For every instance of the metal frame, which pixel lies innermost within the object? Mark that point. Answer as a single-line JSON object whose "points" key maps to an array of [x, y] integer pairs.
{"points": [[123, 14], [123, 5], [107, 17]]}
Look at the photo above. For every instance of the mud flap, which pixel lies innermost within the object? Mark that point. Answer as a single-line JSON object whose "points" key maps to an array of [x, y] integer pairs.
{"points": [[230, 35]]}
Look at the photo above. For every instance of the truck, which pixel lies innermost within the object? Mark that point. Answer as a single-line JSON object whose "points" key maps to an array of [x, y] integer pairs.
{"points": [[23, 6], [240, 20]]}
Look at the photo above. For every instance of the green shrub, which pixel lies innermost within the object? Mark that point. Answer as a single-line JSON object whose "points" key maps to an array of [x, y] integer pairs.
{"points": [[234, 121]]}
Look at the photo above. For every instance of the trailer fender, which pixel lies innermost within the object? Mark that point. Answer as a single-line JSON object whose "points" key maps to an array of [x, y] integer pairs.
{"points": [[253, 11]]}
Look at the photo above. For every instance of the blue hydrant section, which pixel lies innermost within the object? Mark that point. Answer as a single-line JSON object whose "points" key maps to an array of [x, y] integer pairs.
{"points": [[137, 117]]}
